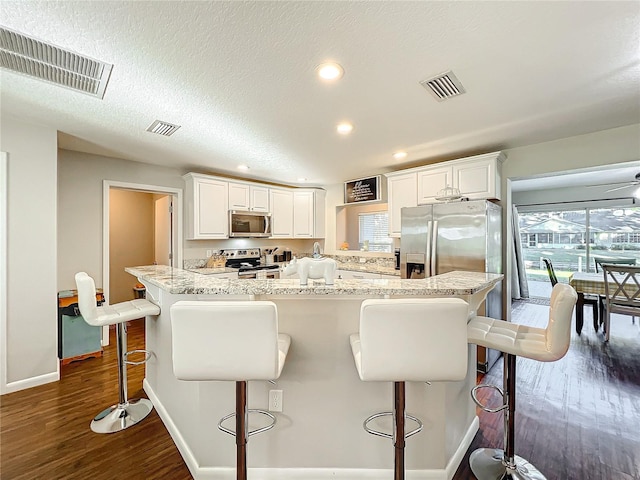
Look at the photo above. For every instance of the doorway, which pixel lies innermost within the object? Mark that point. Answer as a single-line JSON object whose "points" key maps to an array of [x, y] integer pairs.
{"points": [[141, 226]]}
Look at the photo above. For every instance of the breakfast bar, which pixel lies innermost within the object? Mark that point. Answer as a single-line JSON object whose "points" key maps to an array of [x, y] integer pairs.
{"points": [[319, 432]]}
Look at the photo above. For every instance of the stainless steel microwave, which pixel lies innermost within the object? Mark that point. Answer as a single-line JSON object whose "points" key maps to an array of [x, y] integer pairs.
{"points": [[249, 224]]}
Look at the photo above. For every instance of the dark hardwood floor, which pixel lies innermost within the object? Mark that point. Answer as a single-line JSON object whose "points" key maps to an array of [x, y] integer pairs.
{"points": [[577, 419], [44, 431]]}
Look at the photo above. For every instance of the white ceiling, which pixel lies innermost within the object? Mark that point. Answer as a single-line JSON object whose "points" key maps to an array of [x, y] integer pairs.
{"points": [[239, 77]]}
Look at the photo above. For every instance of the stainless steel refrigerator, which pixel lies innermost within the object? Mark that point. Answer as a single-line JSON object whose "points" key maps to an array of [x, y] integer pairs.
{"points": [[443, 237]]}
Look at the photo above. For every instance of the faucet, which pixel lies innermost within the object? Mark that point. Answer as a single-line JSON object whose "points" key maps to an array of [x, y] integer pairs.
{"points": [[316, 250]]}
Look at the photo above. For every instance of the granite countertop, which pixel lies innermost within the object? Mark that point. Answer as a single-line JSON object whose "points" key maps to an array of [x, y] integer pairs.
{"points": [[368, 268], [212, 271], [178, 281]]}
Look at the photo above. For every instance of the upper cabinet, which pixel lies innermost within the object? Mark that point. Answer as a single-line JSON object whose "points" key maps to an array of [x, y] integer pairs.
{"points": [[479, 178], [401, 192], [207, 204], [295, 212], [476, 177], [431, 181], [259, 199], [308, 213], [281, 213], [238, 196], [243, 196]]}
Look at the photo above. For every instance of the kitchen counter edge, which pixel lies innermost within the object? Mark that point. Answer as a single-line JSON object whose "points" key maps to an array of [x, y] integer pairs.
{"points": [[179, 281]]}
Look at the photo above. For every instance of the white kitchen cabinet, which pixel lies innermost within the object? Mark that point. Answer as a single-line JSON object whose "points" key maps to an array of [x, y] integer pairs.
{"points": [[309, 213], [402, 192], [479, 178], [281, 213], [238, 196], [431, 181], [258, 199], [352, 275], [207, 205], [225, 276], [243, 196], [476, 177]]}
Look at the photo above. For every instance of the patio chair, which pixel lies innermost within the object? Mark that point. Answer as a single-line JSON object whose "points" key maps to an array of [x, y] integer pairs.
{"points": [[594, 300], [622, 292], [598, 261]]}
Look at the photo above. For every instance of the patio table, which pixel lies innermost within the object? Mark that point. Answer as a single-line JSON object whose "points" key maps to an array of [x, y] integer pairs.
{"points": [[590, 283]]}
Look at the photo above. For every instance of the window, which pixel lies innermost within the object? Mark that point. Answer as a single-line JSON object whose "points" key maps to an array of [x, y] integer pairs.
{"points": [[374, 230], [574, 239]]}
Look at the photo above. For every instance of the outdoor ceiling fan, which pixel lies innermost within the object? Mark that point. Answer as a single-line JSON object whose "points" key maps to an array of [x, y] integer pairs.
{"points": [[622, 185], [632, 183]]}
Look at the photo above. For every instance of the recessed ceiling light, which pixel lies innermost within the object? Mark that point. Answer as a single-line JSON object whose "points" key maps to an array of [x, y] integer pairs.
{"points": [[330, 71], [302, 179], [344, 128], [400, 155], [243, 167]]}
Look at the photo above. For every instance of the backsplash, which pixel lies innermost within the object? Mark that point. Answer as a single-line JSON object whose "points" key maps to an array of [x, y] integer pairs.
{"points": [[373, 264]]}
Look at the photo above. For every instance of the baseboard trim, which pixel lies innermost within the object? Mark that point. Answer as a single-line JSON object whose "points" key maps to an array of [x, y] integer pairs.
{"points": [[31, 382], [226, 473], [458, 456], [178, 440]]}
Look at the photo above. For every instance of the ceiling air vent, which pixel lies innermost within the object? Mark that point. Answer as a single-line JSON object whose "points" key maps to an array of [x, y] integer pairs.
{"points": [[163, 128], [444, 86], [29, 56]]}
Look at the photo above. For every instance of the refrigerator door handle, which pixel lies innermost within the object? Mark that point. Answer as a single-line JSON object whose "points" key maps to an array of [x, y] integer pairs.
{"points": [[427, 266], [434, 249]]}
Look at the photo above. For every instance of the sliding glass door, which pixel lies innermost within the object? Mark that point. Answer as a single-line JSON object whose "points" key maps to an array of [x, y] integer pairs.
{"points": [[578, 240]]}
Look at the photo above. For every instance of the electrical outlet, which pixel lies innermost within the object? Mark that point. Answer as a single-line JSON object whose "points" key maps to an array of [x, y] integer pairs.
{"points": [[209, 253], [275, 400]]}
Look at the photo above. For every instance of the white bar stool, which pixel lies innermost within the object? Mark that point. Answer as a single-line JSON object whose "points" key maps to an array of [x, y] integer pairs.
{"points": [[229, 340], [409, 340], [542, 344], [126, 412]]}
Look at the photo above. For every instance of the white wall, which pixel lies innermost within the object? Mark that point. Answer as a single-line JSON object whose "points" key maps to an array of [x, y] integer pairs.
{"points": [[80, 186], [31, 324], [607, 147]]}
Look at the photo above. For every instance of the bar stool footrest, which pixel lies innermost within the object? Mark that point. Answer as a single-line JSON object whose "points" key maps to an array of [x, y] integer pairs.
{"points": [[481, 405], [389, 435], [147, 357], [250, 432]]}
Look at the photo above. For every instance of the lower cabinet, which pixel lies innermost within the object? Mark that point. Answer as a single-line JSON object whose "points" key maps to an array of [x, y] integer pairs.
{"points": [[351, 275], [228, 276]]}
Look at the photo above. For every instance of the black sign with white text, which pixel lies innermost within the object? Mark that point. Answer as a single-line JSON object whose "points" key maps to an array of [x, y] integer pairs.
{"points": [[362, 190]]}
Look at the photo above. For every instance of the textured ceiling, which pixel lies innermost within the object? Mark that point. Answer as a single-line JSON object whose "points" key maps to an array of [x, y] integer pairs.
{"points": [[239, 77]]}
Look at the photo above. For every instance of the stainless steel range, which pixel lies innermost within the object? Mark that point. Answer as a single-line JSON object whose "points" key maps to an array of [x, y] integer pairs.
{"points": [[247, 261]]}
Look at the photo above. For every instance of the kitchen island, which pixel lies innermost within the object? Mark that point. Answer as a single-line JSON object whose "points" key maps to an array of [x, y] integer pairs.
{"points": [[319, 433]]}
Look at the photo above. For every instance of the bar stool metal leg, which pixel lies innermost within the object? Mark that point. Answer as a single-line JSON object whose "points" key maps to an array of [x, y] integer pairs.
{"points": [[241, 430], [127, 412], [495, 464], [398, 432]]}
